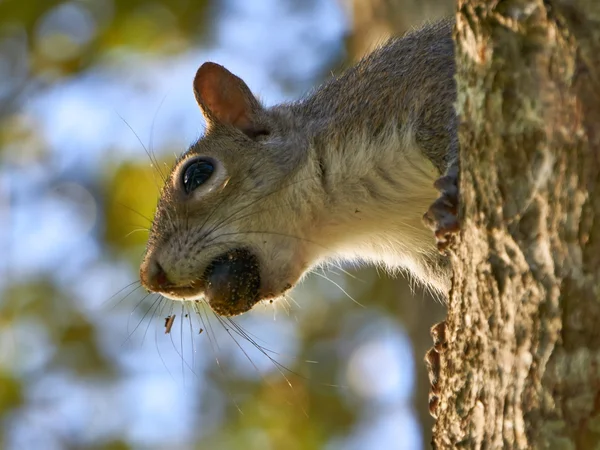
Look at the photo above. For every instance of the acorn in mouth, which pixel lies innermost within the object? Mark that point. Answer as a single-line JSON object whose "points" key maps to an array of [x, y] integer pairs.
{"points": [[232, 282]]}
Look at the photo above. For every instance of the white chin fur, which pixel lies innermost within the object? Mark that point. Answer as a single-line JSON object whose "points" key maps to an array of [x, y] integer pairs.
{"points": [[191, 298]]}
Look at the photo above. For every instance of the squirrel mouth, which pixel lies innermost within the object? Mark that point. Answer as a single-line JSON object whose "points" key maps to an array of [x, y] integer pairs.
{"points": [[189, 292], [232, 282]]}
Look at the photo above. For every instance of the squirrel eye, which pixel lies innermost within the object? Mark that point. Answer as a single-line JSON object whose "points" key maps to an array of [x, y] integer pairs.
{"points": [[196, 174]]}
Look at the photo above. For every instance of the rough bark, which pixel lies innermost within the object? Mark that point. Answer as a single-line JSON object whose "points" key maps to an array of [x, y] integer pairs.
{"points": [[522, 368]]}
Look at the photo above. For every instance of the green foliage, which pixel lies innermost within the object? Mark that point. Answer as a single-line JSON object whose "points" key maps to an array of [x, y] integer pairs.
{"points": [[11, 392], [132, 192], [93, 27]]}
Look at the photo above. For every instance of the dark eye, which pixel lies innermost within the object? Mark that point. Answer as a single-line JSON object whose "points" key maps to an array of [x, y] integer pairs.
{"points": [[196, 174]]}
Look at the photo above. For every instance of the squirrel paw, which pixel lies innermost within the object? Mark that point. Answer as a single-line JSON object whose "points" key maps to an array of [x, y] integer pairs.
{"points": [[433, 362], [442, 216]]}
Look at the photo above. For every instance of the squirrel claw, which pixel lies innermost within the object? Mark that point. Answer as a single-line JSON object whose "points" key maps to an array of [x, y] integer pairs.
{"points": [[442, 216], [433, 362]]}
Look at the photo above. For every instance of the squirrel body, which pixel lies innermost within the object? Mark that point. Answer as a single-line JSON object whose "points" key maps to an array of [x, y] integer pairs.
{"points": [[346, 173]]}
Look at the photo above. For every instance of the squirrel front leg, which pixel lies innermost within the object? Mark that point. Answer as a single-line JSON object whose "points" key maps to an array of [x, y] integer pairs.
{"points": [[442, 215]]}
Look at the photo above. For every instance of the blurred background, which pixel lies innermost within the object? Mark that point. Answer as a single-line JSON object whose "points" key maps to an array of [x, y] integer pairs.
{"points": [[87, 88]]}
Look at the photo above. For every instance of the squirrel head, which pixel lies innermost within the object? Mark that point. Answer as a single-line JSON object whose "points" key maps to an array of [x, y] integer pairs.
{"points": [[231, 223]]}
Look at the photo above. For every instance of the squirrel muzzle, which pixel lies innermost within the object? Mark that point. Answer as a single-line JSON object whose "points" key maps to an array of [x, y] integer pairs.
{"points": [[230, 283]]}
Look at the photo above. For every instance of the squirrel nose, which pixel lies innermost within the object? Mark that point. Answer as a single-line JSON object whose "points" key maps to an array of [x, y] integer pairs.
{"points": [[152, 275]]}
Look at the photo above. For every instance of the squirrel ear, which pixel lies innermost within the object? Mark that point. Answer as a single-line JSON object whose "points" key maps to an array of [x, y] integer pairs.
{"points": [[225, 98]]}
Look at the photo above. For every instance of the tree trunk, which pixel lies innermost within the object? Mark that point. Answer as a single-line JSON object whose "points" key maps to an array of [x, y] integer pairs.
{"points": [[522, 366]]}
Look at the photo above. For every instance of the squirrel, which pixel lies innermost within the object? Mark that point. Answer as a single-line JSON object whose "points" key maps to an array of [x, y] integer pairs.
{"points": [[362, 169]]}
